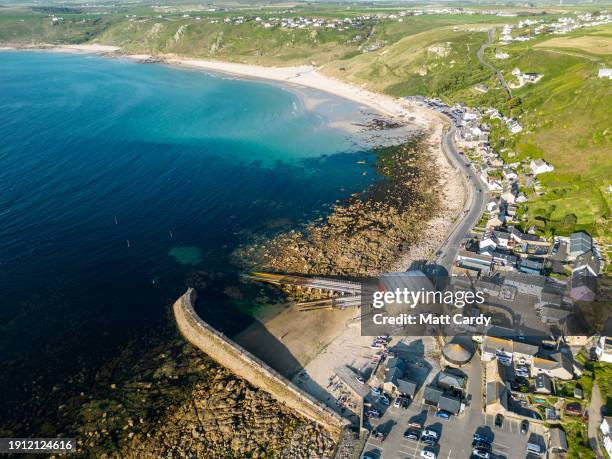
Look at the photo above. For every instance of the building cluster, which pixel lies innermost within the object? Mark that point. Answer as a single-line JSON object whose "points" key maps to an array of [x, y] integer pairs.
{"points": [[527, 29]]}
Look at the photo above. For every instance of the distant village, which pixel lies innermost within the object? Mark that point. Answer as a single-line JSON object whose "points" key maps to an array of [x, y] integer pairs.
{"points": [[522, 31], [529, 28]]}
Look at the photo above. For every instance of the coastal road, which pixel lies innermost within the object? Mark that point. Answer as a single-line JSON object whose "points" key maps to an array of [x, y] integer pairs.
{"points": [[476, 200], [480, 56]]}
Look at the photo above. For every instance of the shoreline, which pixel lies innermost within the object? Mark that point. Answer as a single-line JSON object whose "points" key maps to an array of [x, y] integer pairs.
{"points": [[289, 327], [302, 76]]}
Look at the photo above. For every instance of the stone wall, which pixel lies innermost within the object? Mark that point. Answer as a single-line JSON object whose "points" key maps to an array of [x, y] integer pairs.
{"points": [[242, 363]]}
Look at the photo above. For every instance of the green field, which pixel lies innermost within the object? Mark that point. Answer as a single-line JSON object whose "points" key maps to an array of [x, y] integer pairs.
{"points": [[566, 120]]}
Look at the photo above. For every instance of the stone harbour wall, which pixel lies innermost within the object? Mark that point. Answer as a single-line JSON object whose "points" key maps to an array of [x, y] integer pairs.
{"points": [[242, 363]]}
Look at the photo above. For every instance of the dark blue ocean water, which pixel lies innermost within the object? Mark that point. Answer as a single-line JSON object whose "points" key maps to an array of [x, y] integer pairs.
{"points": [[118, 180]]}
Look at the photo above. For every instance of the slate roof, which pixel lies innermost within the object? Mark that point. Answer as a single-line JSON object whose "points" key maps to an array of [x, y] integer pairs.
{"points": [[432, 394], [558, 439], [449, 403], [543, 384], [588, 260], [451, 380], [407, 387], [580, 242]]}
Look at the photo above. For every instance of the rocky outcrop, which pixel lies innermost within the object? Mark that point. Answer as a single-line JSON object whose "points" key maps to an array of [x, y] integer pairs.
{"points": [[177, 402], [367, 234], [244, 364]]}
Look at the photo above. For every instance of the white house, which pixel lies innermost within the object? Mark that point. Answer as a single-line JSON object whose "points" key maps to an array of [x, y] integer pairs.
{"points": [[603, 350], [508, 197], [539, 166], [510, 174], [606, 430], [605, 73], [487, 245], [494, 185], [501, 238], [514, 127]]}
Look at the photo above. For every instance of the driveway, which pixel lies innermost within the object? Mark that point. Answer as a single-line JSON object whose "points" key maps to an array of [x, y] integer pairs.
{"points": [[595, 419]]}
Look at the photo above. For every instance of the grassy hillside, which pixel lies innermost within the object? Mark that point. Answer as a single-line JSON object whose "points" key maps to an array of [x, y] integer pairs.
{"points": [[566, 116]]}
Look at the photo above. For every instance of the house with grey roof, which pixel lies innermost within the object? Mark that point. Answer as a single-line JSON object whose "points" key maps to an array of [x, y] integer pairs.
{"points": [[550, 314], [588, 261], [557, 365], [557, 442], [449, 403], [543, 384], [581, 242], [583, 286], [530, 266], [432, 395], [396, 379], [451, 380]]}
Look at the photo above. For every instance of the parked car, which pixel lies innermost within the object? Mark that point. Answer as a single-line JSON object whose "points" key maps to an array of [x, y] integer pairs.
{"points": [[373, 414], [481, 454], [499, 420], [427, 454], [429, 441], [412, 434], [443, 414], [524, 427], [384, 400], [375, 391], [482, 446], [430, 433], [397, 402], [481, 438], [360, 380]]}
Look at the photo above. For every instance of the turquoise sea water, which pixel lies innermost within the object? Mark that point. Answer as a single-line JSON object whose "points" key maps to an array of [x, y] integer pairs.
{"points": [[119, 180]]}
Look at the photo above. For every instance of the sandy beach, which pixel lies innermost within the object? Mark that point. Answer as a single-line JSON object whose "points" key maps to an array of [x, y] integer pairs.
{"points": [[291, 340]]}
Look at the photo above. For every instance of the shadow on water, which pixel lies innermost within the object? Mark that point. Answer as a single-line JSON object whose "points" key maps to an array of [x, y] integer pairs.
{"points": [[216, 308]]}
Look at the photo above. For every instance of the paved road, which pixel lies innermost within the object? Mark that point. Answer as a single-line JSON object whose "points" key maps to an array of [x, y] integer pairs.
{"points": [[595, 419], [480, 56], [477, 196]]}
